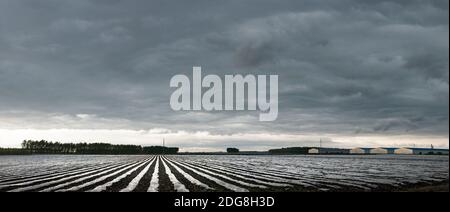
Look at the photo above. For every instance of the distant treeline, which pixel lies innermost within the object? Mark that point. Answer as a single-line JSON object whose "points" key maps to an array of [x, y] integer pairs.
{"points": [[14, 151], [292, 150], [232, 150], [46, 147], [160, 150]]}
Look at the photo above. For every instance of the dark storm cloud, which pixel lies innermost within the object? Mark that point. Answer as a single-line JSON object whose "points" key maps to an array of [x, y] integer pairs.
{"points": [[345, 66]]}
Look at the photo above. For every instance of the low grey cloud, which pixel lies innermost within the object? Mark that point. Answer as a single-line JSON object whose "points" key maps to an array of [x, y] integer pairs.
{"points": [[345, 67]]}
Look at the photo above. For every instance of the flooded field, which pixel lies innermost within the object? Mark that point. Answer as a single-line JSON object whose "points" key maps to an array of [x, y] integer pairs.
{"points": [[188, 173]]}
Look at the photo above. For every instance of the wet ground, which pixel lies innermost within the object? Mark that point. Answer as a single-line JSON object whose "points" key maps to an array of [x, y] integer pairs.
{"points": [[212, 173]]}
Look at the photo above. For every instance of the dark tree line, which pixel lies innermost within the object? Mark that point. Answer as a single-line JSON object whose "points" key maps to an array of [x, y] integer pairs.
{"points": [[160, 150], [13, 151], [46, 147], [232, 150], [291, 150]]}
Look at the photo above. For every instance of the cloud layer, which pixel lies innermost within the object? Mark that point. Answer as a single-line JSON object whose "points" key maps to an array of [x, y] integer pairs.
{"points": [[346, 68]]}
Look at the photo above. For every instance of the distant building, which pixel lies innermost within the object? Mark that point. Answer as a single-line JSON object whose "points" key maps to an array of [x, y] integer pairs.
{"points": [[421, 151], [313, 151], [360, 151], [330, 151], [383, 151]]}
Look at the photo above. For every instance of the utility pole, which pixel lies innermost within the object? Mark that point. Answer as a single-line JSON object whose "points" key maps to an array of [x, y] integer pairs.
{"points": [[320, 143], [164, 142]]}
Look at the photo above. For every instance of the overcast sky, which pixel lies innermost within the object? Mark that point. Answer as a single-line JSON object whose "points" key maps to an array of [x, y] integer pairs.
{"points": [[353, 73]]}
